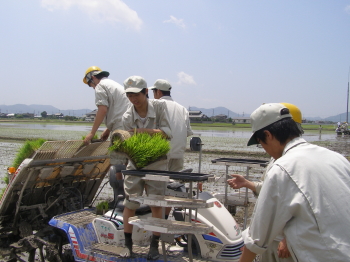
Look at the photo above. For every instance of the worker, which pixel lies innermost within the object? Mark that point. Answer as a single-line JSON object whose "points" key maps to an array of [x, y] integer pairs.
{"points": [[111, 103], [303, 193], [150, 116], [179, 123], [278, 250]]}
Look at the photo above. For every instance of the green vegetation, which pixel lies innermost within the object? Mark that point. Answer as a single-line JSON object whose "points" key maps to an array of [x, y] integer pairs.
{"points": [[101, 207], [27, 150], [142, 148], [329, 127], [95, 137]]}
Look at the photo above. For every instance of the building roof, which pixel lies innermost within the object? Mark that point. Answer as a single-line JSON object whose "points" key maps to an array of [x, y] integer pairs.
{"points": [[92, 113], [197, 116], [194, 112]]}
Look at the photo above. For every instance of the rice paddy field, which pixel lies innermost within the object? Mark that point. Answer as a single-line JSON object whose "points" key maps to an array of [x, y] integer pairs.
{"points": [[217, 142]]}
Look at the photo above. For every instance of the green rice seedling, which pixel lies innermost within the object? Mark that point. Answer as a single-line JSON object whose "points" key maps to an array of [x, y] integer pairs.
{"points": [[2, 192], [142, 148], [95, 137], [27, 150], [102, 207]]}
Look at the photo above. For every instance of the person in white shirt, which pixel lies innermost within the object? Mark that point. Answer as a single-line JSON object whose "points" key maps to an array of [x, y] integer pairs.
{"points": [[111, 103], [147, 116], [278, 250], [179, 123], [304, 195]]}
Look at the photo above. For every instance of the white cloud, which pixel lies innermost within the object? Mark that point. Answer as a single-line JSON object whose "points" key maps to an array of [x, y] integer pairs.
{"points": [[115, 11], [174, 20], [185, 79], [347, 9]]}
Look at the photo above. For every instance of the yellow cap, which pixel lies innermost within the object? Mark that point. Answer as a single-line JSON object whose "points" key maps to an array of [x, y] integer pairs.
{"points": [[294, 111], [93, 70]]}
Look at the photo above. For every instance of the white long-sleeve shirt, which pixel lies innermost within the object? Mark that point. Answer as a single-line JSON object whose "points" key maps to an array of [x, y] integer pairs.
{"points": [[305, 197], [180, 127], [111, 94]]}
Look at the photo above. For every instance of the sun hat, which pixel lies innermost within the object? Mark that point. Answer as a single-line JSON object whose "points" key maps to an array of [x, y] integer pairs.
{"points": [[265, 115], [134, 84], [161, 84]]}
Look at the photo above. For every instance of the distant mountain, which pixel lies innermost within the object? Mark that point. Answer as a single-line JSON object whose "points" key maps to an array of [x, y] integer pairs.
{"points": [[317, 118], [37, 109], [338, 118], [217, 111]]}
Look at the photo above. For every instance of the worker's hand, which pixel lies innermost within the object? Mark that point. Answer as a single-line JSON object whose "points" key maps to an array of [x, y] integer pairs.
{"points": [[282, 249], [200, 186], [88, 138], [237, 182], [105, 134]]}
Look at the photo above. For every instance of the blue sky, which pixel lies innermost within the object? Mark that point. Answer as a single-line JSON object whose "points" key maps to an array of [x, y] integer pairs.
{"points": [[233, 53]]}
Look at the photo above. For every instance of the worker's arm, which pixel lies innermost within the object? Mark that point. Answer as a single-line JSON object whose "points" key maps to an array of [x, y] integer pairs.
{"points": [[239, 181], [100, 115], [105, 134], [247, 255]]}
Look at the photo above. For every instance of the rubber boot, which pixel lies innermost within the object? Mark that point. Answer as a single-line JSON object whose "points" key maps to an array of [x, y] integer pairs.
{"points": [[153, 253], [128, 242], [117, 185]]}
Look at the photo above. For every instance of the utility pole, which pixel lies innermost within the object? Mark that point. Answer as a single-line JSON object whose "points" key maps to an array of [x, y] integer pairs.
{"points": [[347, 100]]}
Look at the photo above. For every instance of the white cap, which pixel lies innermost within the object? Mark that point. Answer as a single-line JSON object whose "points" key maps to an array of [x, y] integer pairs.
{"points": [[265, 115], [134, 84], [161, 84]]}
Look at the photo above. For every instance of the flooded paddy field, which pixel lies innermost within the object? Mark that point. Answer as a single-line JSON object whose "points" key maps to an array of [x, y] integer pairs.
{"points": [[216, 143]]}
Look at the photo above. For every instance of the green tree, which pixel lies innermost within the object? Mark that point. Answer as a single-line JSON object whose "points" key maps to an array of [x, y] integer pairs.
{"points": [[44, 114]]}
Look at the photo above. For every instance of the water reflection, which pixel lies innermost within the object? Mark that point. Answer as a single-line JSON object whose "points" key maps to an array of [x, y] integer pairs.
{"points": [[47, 126]]}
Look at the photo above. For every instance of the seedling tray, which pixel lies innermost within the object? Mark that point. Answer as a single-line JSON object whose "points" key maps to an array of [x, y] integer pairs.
{"points": [[195, 177]]}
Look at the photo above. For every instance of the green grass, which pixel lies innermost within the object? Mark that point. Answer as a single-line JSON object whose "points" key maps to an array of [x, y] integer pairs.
{"points": [[330, 127], [142, 148], [27, 150]]}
